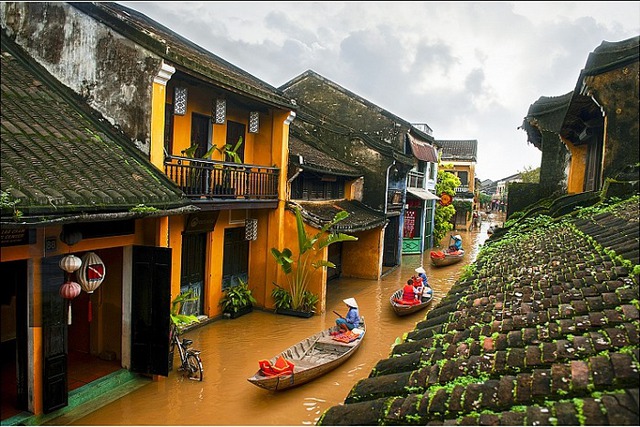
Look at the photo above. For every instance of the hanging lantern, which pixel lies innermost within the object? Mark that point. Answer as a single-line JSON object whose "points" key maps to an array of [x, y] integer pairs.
{"points": [[70, 263], [69, 290], [91, 275]]}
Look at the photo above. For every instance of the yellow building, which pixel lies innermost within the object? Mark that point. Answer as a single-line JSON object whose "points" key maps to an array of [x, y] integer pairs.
{"points": [[459, 157], [182, 111]]}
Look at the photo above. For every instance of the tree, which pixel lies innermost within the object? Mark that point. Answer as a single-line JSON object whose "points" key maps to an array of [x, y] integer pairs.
{"points": [[447, 184], [297, 268], [530, 175]]}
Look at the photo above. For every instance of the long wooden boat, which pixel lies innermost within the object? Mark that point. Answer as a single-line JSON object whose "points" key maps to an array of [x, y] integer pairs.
{"points": [[403, 309], [312, 357], [443, 258]]}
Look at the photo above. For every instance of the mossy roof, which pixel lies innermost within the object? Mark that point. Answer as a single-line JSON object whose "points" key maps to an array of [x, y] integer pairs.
{"points": [[61, 158], [542, 330], [307, 157], [319, 213]]}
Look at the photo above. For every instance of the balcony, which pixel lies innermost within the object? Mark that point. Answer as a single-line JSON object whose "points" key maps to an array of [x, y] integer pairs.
{"points": [[415, 179], [212, 181]]}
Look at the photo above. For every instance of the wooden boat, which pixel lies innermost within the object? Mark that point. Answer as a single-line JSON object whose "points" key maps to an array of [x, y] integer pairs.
{"points": [[312, 357], [446, 257], [403, 309]]}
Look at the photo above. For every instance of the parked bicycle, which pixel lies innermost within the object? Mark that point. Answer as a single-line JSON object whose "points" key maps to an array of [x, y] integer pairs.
{"points": [[191, 365]]}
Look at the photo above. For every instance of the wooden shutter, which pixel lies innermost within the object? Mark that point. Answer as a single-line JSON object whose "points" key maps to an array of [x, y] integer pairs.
{"points": [[54, 335], [150, 309]]}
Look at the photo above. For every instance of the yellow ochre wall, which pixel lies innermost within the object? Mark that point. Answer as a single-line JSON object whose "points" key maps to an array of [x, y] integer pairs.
{"points": [[362, 258], [577, 167]]}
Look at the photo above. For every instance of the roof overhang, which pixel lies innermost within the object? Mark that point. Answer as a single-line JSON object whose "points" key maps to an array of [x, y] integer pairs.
{"points": [[423, 194]]}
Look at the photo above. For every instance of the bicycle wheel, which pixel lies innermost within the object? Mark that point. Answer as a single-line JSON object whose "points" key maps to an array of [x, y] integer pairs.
{"points": [[194, 366]]}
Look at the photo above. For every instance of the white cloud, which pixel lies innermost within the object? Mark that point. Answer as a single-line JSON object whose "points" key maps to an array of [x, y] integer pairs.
{"points": [[470, 70]]}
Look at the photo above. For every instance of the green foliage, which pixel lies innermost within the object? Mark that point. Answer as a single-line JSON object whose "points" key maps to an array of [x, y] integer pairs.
{"points": [[141, 208], [447, 183], [442, 221], [8, 202], [228, 151], [182, 320], [298, 269], [530, 175], [237, 297]]}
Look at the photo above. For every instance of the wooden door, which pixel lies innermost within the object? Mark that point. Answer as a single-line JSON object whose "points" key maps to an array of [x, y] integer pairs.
{"points": [[54, 336], [150, 309]]}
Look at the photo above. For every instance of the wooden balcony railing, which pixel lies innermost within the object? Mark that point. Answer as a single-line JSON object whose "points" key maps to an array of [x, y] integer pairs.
{"points": [[210, 179]]}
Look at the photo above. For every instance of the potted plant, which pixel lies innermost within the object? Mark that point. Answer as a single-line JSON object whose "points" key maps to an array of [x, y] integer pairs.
{"points": [[296, 297], [237, 300]]}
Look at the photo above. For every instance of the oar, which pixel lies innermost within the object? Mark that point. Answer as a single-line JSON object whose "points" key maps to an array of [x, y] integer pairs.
{"points": [[338, 314]]}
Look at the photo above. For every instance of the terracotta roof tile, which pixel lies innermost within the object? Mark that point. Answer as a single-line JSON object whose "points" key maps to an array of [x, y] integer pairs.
{"points": [[546, 337]]}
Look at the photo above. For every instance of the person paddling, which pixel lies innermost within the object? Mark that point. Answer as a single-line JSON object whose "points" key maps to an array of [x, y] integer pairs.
{"points": [[352, 319]]}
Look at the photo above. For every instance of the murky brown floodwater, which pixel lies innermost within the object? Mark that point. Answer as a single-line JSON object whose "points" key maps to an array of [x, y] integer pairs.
{"points": [[231, 349]]}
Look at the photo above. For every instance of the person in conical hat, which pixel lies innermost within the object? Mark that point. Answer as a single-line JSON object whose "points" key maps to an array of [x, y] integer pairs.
{"points": [[352, 319], [426, 289]]}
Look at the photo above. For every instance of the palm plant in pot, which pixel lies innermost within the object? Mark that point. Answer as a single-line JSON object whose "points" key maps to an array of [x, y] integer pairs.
{"points": [[237, 300], [296, 296]]}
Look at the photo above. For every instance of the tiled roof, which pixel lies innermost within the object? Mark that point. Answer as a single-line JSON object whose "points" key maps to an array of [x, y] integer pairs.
{"points": [[547, 113], [180, 52], [542, 331], [316, 160], [59, 158], [454, 150], [360, 217], [611, 55]]}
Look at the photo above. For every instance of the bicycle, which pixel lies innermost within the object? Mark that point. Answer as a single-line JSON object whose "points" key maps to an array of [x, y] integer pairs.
{"points": [[191, 365]]}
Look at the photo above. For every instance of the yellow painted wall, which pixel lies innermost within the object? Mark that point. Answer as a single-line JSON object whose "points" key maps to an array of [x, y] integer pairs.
{"points": [[106, 328], [577, 167], [363, 258]]}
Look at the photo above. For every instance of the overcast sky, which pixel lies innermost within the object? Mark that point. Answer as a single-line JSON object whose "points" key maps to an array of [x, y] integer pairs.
{"points": [[469, 70]]}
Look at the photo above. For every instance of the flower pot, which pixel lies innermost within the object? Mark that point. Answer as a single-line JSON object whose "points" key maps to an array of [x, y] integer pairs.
{"points": [[240, 312], [291, 312]]}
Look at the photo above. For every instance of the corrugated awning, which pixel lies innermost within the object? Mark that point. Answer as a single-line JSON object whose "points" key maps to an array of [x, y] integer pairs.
{"points": [[423, 194]]}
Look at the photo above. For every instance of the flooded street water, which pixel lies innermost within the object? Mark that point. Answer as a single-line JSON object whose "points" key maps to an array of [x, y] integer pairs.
{"points": [[231, 349]]}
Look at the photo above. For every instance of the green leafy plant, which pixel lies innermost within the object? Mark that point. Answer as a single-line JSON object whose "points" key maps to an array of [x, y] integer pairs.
{"points": [[178, 319], [447, 184], [299, 268], [237, 297], [228, 151]]}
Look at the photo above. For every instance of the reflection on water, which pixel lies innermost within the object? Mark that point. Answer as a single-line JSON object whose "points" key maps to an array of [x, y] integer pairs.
{"points": [[231, 349]]}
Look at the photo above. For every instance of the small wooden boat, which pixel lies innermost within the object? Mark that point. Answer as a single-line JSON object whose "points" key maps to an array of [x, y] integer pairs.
{"points": [[404, 309], [312, 357], [446, 257]]}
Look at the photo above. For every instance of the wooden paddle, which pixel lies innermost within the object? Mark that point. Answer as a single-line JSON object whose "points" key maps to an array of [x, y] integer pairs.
{"points": [[338, 314]]}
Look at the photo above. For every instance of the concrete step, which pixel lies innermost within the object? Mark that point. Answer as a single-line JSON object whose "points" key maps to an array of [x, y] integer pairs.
{"points": [[86, 399]]}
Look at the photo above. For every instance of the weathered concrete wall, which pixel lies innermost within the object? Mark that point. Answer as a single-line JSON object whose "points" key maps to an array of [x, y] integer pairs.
{"points": [[111, 73], [554, 165], [354, 117], [617, 92]]}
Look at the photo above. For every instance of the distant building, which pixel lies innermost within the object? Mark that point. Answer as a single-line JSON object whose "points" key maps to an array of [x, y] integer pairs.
{"points": [[459, 157]]}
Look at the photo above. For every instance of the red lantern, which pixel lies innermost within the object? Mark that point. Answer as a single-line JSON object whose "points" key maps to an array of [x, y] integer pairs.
{"points": [[91, 275], [69, 290]]}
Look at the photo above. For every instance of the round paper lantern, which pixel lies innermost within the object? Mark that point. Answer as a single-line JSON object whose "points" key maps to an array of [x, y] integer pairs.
{"points": [[91, 273], [70, 263], [69, 290]]}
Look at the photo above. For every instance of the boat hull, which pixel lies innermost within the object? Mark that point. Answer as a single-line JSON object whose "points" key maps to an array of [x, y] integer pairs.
{"points": [[312, 357], [403, 310], [448, 259]]}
